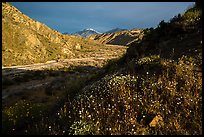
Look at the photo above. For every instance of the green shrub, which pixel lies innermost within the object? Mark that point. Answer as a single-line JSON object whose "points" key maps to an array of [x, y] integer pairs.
{"points": [[192, 16], [81, 128], [20, 115], [148, 60]]}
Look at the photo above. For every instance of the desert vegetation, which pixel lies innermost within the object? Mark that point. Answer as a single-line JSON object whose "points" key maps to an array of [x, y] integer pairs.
{"points": [[154, 89]]}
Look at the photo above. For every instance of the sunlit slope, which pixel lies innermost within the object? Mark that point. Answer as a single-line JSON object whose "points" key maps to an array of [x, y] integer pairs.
{"points": [[124, 37], [26, 41]]}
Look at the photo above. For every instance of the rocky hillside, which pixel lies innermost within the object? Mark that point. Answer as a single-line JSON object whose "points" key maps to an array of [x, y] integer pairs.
{"points": [[155, 89], [125, 37], [26, 41]]}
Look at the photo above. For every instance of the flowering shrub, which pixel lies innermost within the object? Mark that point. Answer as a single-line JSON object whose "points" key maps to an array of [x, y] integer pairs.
{"points": [[149, 96], [126, 104], [148, 60], [192, 15], [123, 103], [81, 128]]}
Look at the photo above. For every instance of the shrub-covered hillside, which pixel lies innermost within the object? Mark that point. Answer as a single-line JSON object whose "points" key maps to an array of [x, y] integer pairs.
{"points": [[156, 89], [159, 92]]}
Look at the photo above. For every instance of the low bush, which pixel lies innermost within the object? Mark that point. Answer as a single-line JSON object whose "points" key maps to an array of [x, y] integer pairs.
{"points": [[20, 115], [127, 104]]}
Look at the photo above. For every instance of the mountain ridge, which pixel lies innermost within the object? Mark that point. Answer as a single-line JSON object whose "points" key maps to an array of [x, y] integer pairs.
{"points": [[124, 37], [115, 30]]}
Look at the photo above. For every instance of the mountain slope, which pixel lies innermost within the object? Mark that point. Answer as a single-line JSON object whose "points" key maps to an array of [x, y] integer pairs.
{"points": [[182, 35], [114, 30], [124, 37], [159, 88], [156, 89], [26, 41]]}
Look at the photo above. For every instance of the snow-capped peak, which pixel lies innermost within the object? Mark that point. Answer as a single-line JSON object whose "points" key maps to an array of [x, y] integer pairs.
{"points": [[87, 32], [90, 29]]}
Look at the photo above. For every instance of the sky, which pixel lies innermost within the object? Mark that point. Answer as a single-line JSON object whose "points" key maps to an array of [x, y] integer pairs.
{"points": [[71, 17]]}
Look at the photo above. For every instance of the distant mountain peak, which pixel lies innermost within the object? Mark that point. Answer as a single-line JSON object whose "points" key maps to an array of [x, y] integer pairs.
{"points": [[89, 29], [87, 32]]}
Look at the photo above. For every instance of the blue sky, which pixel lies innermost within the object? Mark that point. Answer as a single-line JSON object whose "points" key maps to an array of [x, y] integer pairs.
{"points": [[101, 16]]}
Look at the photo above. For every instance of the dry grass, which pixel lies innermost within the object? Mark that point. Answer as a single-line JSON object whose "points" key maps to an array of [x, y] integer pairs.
{"points": [[147, 95]]}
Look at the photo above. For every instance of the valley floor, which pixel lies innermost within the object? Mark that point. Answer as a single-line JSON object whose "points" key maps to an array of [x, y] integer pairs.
{"points": [[30, 82]]}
